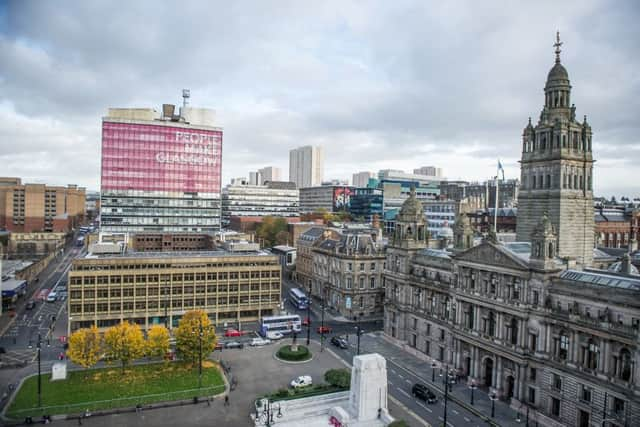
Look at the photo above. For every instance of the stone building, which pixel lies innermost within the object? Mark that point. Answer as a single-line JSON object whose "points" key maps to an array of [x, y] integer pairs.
{"points": [[559, 343], [347, 272], [557, 171]]}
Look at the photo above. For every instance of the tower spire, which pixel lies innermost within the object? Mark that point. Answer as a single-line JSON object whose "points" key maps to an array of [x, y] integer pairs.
{"points": [[557, 45]]}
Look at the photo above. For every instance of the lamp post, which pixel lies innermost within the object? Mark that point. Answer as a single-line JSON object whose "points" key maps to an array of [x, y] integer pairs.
{"points": [[309, 317], [433, 371], [493, 398], [358, 332], [473, 387], [39, 345], [268, 412], [322, 321], [447, 380]]}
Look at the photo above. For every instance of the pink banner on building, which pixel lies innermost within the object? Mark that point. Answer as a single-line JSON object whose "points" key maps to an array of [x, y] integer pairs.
{"points": [[160, 158]]}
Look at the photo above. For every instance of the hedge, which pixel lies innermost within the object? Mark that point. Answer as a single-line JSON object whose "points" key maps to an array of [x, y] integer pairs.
{"points": [[285, 353]]}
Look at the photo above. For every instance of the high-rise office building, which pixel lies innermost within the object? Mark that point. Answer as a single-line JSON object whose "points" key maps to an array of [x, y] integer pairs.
{"points": [[270, 174], [306, 166], [26, 208], [361, 179], [160, 172], [429, 171]]}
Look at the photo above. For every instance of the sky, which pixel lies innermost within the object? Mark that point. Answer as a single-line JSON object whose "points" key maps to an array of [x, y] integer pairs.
{"points": [[379, 84]]}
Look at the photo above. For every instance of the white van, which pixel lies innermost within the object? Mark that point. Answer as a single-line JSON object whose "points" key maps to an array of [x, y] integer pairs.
{"points": [[52, 297]]}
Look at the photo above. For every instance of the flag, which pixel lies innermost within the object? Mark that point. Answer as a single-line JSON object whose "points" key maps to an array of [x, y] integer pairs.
{"points": [[500, 169]]}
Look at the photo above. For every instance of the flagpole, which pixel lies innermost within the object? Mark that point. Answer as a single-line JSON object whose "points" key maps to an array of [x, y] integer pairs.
{"points": [[495, 213]]}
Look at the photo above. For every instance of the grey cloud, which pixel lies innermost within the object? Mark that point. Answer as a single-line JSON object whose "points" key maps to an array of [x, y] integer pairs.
{"points": [[380, 85]]}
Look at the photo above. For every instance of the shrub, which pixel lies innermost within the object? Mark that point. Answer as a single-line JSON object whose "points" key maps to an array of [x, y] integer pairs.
{"points": [[285, 353], [338, 377]]}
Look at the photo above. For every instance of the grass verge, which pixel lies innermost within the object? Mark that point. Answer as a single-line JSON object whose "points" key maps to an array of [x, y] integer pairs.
{"points": [[109, 388]]}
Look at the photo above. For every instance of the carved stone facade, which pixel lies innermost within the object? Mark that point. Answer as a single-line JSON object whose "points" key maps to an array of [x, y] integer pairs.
{"points": [[557, 171]]}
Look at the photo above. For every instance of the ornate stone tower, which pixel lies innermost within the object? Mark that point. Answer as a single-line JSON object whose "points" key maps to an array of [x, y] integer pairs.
{"points": [[543, 244], [409, 236], [556, 171]]}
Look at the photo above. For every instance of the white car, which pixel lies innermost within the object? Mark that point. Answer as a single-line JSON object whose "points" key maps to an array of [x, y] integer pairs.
{"points": [[256, 342], [273, 335], [301, 381]]}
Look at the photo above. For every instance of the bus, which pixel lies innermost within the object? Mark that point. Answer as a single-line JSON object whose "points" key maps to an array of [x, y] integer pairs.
{"points": [[284, 324], [298, 299]]}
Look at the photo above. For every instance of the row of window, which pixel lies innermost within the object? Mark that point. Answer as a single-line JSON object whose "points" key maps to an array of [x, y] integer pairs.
{"points": [[174, 290], [174, 278]]}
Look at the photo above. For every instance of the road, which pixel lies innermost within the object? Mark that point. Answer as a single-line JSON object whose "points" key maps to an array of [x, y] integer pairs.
{"points": [[47, 318], [400, 380]]}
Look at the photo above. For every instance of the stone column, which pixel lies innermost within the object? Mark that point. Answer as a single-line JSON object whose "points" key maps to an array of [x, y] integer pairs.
{"points": [[605, 357], [499, 326], [498, 375]]}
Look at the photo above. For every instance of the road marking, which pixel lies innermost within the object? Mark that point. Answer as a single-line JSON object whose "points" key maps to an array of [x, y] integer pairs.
{"points": [[394, 371], [401, 377], [410, 412], [467, 419], [425, 407], [454, 411], [403, 392], [408, 382], [391, 384]]}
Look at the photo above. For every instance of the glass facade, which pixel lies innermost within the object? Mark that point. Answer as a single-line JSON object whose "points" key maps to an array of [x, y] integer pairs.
{"points": [[160, 177], [365, 203]]}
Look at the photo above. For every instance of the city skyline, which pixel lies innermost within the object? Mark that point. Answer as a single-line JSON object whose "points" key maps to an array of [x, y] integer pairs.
{"points": [[449, 89]]}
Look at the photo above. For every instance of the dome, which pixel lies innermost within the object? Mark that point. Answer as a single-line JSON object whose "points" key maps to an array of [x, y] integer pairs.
{"points": [[558, 72], [412, 207]]}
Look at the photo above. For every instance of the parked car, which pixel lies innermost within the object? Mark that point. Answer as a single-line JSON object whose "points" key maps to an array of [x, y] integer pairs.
{"points": [[339, 342], [234, 344], [301, 381], [233, 333], [257, 342], [31, 305], [273, 335], [61, 288], [422, 392], [52, 297], [306, 321], [324, 330]]}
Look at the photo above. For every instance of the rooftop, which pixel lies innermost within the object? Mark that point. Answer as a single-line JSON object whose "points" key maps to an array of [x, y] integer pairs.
{"points": [[601, 279], [178, 254]]}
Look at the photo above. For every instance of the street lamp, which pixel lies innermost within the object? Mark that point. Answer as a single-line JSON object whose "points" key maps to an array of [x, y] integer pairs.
{"points": [[322, 321], [309, 316], [473, 387], [358, 333], [447, 380], [268, 412], [39, 344], [433, 371], [493, 398]]}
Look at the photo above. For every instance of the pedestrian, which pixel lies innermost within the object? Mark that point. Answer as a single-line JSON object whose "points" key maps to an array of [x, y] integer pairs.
{"points": [[208, 401], [226, 400], [80, 420], [138, 408]]}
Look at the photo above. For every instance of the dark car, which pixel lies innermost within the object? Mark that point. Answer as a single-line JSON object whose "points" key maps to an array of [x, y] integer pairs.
{"points": [[234, 344], [31, 305], [339, 342], [422, 392]]}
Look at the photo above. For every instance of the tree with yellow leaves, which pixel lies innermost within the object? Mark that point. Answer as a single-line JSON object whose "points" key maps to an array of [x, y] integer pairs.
{"points": [[85, 347], [157, 341], [195, 332], [124, 342]]}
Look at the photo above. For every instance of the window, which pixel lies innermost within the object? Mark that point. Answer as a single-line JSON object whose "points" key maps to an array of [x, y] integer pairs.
{"points": [[533, 342], [348, 282], [427, 348], [535, 297], [556, 381], [618, 405], [555, 407], [532, 374], [373, 266], [585, 393], [349, 266], [372, 283], [362, 266], [441, 353], [591, 355], [441, 334], [532, 395], [362, 283], [564, 346], [428, 329], [415, 323]]}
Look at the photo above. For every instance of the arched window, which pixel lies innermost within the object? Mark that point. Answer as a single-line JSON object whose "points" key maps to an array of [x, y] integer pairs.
{"points": [[513, 329], [548, 181], [491, 324], [625, 365], [564, 141], [550, 253], [563, 346], [533, 182], [592, 353]]}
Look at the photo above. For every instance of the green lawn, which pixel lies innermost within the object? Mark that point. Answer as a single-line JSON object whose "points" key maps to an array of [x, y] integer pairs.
{"points": [[111, 388]]}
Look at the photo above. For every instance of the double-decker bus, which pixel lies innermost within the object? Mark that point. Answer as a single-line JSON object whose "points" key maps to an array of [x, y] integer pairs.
{"points": [[298, 299], [284, 324]]}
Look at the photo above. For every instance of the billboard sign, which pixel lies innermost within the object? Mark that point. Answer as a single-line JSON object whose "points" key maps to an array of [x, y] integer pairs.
{"points": [[342, 198], [161, 158]]}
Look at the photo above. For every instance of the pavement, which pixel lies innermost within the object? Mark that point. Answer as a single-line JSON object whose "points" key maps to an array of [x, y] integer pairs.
{"points": [[256, 371]]}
